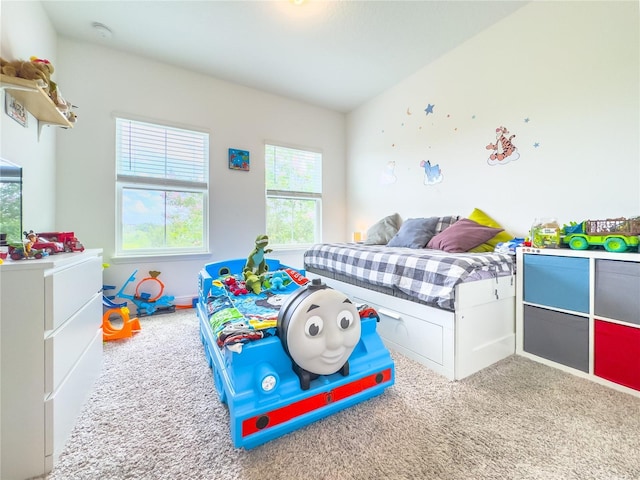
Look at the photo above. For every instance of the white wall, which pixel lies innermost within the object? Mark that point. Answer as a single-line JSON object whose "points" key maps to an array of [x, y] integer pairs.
{"points": [[102, 81], [571, 68], [25, 32]]}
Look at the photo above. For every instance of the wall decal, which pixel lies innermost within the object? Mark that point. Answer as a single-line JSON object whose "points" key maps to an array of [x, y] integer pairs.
{"points": [[388, 176], [503, 151], [432, 174], [429, 109], [239, 159], [408, 111]]}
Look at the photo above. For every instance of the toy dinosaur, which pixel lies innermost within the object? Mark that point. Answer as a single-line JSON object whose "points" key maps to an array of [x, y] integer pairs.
{"points": [[256, 264]]}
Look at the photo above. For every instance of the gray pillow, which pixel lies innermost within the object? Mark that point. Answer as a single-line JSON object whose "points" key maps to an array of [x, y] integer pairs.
{"points": [[384, 230], [414, 233]]}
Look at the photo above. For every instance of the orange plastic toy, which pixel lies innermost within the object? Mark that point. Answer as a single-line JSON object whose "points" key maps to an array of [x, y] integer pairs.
{"points": [[129, 325]]}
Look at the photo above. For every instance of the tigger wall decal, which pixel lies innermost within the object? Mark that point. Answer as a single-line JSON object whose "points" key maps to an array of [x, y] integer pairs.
{"points": [[503, 150]]}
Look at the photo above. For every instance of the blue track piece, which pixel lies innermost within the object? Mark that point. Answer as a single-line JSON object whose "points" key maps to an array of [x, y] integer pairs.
{"points": [[111, 304]]}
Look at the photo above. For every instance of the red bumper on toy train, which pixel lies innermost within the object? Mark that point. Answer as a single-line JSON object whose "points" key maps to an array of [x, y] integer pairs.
{"points": [[284, 414]]}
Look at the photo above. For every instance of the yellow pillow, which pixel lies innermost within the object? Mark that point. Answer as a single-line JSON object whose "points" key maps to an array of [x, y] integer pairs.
{"points": [[482, 218]]}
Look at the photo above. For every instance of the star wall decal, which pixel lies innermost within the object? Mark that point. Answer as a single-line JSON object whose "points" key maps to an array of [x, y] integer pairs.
{"points": [[429, 109]]}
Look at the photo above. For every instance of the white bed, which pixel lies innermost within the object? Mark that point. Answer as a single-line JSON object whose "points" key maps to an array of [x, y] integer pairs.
{"points": [[467, 326]]}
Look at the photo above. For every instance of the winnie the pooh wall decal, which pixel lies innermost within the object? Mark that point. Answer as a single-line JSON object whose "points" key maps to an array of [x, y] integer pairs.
{"points": [[503, 150]]}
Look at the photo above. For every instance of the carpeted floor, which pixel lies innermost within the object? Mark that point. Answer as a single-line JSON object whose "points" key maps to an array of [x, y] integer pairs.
{"points": [[154, 414]]}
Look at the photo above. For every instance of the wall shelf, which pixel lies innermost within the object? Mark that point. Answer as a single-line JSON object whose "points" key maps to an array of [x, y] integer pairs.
{"points": [[35, 99]]}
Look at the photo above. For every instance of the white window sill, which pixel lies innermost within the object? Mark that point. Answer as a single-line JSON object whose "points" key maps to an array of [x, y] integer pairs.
{"points": [[167, 257]]}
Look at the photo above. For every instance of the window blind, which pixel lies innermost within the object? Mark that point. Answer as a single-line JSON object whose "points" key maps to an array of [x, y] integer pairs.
{"points": [[292, 170], [160, 152]]}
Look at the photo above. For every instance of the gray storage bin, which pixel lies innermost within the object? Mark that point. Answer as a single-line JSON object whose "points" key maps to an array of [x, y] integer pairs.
{"points": [[557, 336], [617, 290]]}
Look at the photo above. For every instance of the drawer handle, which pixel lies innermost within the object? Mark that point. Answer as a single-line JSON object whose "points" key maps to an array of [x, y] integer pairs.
{"points": [[389, 313]]}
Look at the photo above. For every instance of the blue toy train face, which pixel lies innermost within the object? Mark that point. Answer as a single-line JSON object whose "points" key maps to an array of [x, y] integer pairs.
{"points": [[322, 330]]}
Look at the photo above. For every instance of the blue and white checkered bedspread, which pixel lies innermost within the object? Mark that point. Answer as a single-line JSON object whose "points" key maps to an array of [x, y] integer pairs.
{"points": [[430, 275]]}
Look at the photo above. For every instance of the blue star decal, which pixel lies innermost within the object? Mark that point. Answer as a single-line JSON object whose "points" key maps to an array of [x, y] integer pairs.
{"points": [[526, 120], [429, 109], [536, 145]]}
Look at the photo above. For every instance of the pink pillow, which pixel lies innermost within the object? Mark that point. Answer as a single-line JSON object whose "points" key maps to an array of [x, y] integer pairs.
{"points": [[462, 236]]}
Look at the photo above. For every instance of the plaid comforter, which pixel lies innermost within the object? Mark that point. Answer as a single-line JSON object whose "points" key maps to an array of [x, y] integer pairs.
{"points": [[430, 275]]}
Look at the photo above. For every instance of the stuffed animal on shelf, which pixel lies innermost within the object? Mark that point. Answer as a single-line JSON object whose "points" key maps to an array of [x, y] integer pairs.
{"points": [[33, 69]]}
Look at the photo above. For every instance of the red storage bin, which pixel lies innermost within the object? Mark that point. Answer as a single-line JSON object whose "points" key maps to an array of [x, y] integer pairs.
{"points": [[617, 353]]}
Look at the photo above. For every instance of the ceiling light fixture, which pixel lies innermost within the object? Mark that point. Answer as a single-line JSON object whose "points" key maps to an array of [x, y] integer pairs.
{"points": [[297, 2], [102, 30]]}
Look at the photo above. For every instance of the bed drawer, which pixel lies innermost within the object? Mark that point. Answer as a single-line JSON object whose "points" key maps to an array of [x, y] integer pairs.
{"points": [[408, 332]]}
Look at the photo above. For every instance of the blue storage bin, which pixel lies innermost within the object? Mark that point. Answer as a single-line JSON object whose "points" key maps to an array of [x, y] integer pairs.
{"points": [[555, 281]]}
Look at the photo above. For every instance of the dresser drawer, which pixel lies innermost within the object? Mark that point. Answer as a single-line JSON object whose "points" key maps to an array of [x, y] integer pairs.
{"points": [[66, 344], [64, 405], [67, 290]]}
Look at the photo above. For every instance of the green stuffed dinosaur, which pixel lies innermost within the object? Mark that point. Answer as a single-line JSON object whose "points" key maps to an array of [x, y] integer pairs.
{"points": [[256, 264]]}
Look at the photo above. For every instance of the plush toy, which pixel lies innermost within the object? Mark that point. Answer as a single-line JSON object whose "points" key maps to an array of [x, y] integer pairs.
{"points": [[39, 69], [34, 69], [253, 282], [277, 281], [256, 262], [256, 265]]}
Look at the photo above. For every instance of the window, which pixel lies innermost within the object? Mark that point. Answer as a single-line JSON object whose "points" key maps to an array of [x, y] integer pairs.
{"points": [[162, 189], [294, 196]]}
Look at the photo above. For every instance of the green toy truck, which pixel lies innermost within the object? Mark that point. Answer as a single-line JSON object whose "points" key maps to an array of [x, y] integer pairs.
{"points": [[614, 234]]}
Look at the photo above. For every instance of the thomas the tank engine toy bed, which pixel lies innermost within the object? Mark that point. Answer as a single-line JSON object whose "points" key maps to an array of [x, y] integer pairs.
{"points": [[286, 351]]}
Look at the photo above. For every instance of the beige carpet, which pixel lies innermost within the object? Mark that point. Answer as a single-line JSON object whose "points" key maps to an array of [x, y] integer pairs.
{"points": [[154, 414]]}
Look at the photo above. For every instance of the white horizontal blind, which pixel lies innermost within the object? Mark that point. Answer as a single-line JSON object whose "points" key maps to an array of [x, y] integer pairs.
{"points": [[292, 171], [160, 152], [162, 189]]}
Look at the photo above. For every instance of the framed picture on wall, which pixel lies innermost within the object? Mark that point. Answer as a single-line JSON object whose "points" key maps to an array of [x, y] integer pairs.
{"points": [[239, 159], [15, 109]]}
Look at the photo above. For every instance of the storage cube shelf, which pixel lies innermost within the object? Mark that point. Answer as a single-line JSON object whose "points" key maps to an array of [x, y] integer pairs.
{"points": [[580, 311]]}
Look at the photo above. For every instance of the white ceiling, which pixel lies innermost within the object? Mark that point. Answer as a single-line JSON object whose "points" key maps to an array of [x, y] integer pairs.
{"points": [[336, 54]]}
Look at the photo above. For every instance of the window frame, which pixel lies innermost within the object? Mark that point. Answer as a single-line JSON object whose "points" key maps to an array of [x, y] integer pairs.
{"points": [[316, 197], [126, 181]]}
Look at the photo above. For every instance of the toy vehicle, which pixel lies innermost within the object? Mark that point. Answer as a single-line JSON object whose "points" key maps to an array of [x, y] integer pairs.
{"points": [[614, 234], [59, 242], [276, 384], [17, 251]]}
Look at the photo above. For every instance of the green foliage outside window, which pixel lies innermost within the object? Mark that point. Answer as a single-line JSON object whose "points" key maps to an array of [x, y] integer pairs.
{"points": [[291, 221], [294, 195]]}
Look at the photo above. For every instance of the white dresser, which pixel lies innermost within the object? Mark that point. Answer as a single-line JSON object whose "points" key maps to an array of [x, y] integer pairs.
{"points": [[50, 355]]}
